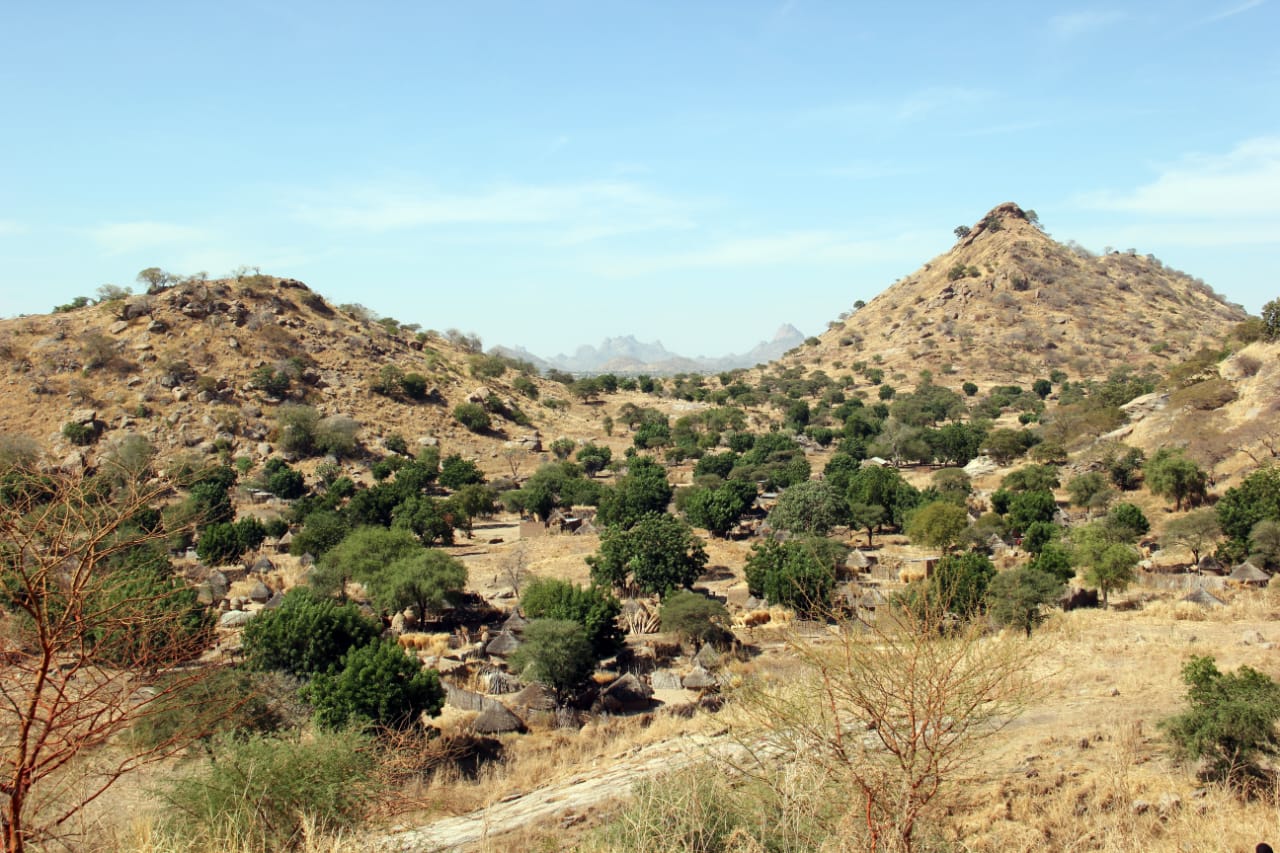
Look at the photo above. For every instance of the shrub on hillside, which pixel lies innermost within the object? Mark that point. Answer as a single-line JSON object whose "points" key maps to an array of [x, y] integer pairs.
{"points": [[473, 416], [265, 793]]}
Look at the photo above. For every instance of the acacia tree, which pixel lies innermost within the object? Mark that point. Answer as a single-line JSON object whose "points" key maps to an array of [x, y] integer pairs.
{"points": [[892, 712], [92, 635]]}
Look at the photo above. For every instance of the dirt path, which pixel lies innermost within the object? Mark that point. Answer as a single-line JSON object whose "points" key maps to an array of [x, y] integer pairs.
{"points": [[570, 796]]}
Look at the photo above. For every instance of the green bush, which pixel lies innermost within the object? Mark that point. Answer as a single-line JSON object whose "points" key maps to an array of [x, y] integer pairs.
{"points": [[262, 793], [79, 434], [306, 635], [224, 701], [799, 573], [1231, 720], [456, 472], [473, 416], [594, 608], [379, 685], [696, 617], [557, 653]]}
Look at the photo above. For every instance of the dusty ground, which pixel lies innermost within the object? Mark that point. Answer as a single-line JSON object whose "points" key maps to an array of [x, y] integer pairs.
{"points": [[1083, 768]]}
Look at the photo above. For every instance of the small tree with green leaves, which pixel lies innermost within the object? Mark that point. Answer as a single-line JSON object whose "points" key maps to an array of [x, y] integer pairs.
{"points": [[306, 635], [696, 618], [426, 579], [1171, 474], [1197, 531], [595, 608], [1230, 722], [557, 653], [1017, 598], [940, 524], [378, 685], [473, 416], [659, 553]]}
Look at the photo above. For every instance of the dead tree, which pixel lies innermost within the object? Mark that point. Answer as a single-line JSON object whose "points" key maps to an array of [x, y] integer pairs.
{"points": [[90, 645]]}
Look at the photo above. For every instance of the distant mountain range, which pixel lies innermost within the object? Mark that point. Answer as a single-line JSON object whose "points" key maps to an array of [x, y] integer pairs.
{"points": [[627, 355]]}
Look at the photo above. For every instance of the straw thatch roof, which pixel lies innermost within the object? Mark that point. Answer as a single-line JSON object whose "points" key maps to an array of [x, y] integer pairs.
{"points": [[1248, 573], [1204, 598]]}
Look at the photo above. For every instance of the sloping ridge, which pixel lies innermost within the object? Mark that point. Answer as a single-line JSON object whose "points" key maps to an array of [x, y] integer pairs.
{"points": [[178, 367], [1009, 304]]}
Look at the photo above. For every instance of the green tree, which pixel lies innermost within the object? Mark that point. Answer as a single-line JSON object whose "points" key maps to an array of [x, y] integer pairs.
{"points": [[1197, 531], [1257, 497], [593, 458], [718, 509], [1264, 543], [644, 490], [557, 653], [1016, 598], [1271, 320], [296, 428], [378, 685], [425, 578], [811, 508], [1026, 508], [283, 481], [1171, 474], [1230, 722], [1085, 489], [322, 530], [940, 524], [306, 634], [1054, 560], [456, 472], [696, 618], [658, 553], [884, 487], [1108, 565], [1038, 535], [361, 555], [1130, 519], [798, 573], [1124, 466], [959, 583], [1042, 387], [866, 517], [563, 447], [595, 608], [1031, 478]]}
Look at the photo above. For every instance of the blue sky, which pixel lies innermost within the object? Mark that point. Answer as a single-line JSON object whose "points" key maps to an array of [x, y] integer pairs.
{"points": [[548, 173]]}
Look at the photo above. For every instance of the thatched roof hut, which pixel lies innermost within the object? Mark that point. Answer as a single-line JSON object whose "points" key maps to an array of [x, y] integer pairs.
{"points": [[1204, 598], [497, 719], [502, 645], [1247, 574]]}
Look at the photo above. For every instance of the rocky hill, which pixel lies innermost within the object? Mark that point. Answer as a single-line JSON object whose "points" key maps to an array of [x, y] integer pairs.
{"points": [[207, 366], [1009, 304]]}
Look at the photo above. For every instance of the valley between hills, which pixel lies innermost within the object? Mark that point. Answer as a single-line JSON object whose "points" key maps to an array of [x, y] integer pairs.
{"points": [[951, 575]]}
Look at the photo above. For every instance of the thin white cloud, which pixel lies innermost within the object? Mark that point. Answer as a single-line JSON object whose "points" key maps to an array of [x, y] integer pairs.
{"points": [[1233, 11], [122, 237], [1242, 184], [10, 227], [1076, 24], [604, 207]]}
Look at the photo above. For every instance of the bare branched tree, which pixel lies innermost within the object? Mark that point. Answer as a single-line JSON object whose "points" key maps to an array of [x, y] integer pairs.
{"points": [[892, 712], [96, 635]]}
